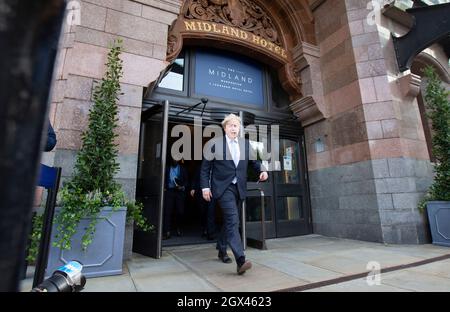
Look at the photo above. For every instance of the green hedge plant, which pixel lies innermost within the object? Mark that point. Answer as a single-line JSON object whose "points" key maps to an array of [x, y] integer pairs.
{"points": [[92, 186], [438, 105]]}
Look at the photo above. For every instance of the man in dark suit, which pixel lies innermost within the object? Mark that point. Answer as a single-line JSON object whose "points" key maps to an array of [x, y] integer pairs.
{"points": [[224, 179]]}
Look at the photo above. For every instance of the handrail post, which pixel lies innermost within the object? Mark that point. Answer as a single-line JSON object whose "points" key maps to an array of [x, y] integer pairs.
{"points": [[263, 218], [243, 217], [263, 221]]}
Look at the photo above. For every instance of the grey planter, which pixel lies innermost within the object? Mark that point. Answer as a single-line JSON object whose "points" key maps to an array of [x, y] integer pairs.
{"points": [[104, 256], [439, 219]]}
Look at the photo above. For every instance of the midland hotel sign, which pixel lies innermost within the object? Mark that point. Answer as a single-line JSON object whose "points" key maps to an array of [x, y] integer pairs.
{"points": [[213, 28]]}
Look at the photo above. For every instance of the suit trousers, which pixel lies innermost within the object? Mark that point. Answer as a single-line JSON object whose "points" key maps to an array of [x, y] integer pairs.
{"points": [[229, 202], [173, 207]]}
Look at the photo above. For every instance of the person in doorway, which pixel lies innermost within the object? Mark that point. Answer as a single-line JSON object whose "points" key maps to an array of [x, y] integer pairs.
{"points": [[207, 209], [175, 194], [50, 143], [224, 179], [48, 146]]}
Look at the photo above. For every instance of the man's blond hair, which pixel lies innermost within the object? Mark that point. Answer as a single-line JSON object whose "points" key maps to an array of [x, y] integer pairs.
{"points": [[229, 118]]}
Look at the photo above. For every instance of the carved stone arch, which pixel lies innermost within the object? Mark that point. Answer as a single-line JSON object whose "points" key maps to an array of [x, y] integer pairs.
{"points": [[272, 32], [423, 60], [416, 87]]}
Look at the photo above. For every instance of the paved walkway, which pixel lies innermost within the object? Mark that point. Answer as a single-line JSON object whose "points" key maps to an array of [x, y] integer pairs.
{"points": [[307, 263]]}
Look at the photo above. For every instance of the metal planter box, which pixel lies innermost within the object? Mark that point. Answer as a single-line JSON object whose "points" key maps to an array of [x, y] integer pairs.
{"points": [[104, 256], [439, 219]]}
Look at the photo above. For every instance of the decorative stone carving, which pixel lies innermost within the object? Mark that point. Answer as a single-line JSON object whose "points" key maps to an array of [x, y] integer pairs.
{"points": [[173, 44], [296, 72], [306, 110], [244, 14], [309, 109], [409, 85], [261, 29]]}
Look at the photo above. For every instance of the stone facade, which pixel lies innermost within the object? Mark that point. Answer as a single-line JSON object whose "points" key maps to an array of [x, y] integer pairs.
{"points": [[375, 166], [143, 27]]}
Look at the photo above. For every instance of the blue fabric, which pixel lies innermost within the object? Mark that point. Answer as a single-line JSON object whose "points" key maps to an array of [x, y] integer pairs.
{"points": [[174, 173], [47, 177]]}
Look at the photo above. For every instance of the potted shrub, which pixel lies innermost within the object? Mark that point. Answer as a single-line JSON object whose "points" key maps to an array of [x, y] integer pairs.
{"points": [[437, 200], [90, 224]]}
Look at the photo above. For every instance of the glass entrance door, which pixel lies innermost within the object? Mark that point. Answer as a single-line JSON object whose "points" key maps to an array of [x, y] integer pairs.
{"points": [[255, 202], [290, 190], [285, 198], [151, 174]]}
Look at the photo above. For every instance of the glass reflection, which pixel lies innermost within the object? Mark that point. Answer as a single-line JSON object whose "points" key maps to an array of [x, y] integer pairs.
{"points": [[289, 155], [289, 209], [174, 78], [253, 209]]}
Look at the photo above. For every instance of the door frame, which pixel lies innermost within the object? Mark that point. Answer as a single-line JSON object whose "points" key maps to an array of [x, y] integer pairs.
{"points": [[170, 115], [147, 243], [302, 226]]}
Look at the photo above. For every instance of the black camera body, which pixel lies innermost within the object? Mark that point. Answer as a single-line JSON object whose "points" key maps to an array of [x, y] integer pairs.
{"points": [[67, 278]]}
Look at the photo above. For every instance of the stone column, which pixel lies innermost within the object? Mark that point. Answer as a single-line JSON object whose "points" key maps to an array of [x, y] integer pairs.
{"points": [[371, 168]]}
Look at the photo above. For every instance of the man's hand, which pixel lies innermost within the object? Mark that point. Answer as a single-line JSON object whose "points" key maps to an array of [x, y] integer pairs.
{"points": [[263, 176], [207, 195], [192, 193]]}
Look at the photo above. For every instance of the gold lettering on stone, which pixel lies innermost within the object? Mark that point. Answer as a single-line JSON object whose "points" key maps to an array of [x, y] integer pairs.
{"points": [[215, 29], [207, 27], [263, 43], [190, 26], [237, 33]]}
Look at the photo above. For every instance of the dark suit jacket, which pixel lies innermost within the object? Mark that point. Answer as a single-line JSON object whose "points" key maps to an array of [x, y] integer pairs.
{"points": [[223, 169]]}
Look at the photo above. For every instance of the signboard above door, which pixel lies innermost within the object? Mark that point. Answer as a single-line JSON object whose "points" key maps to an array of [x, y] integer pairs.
{"points": [[229, 77]]}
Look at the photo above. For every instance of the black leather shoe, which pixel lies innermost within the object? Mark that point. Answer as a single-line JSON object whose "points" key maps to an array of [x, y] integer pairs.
{"points": [[224, 257], [241, 269]]}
